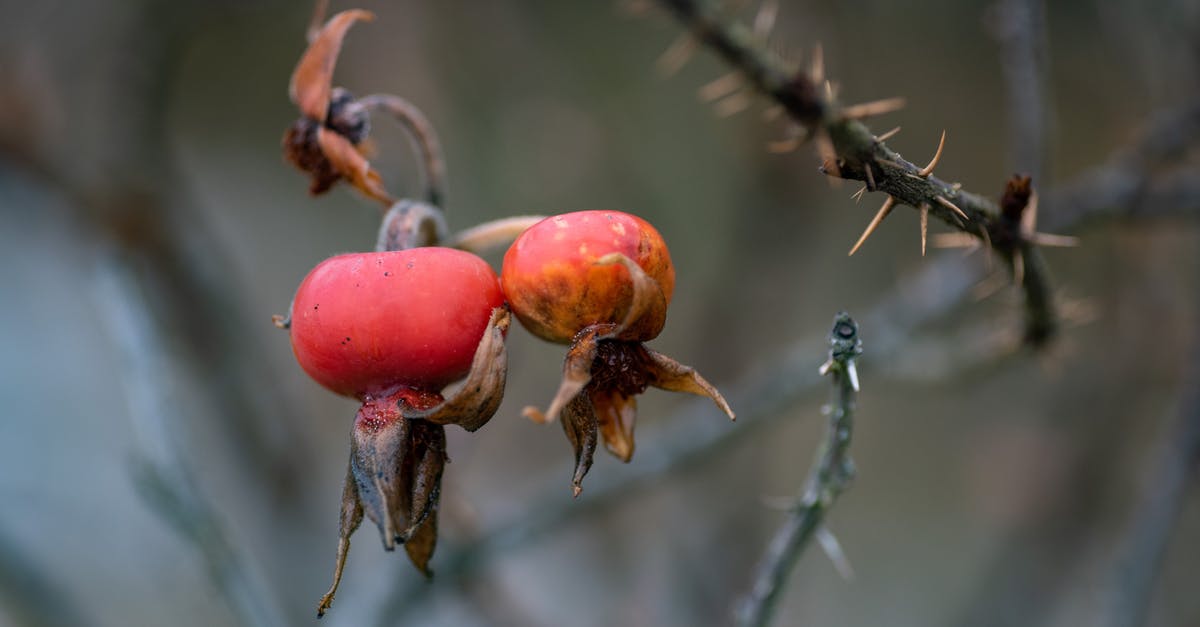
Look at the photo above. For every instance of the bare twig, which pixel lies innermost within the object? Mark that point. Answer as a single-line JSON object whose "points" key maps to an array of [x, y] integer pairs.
{"points": [[161, 463], [831, 473], [859, 155], [1175, 460]]}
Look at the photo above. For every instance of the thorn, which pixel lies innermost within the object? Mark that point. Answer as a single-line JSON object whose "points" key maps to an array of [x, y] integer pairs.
{"points": [[872, 109], [733, 105], [721, 87], [676, 55], [817, 67], [987, 241], [317, 19], [937, 156], [955, 240], [858, 196], [792, 141], [875, 222], [924, 226], [764, 20], [1053, 241], [828, 154], [953, 207], [988, 286], [772, 113], [1018, 263], [852, 374], [888, 135], [833, 549], [824, 369], [636, 8], [830, 91], [1030, 216], [870, 176]]}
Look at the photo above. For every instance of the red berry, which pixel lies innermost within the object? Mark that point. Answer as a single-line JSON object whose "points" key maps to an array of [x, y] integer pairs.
{"points": [[365, 323], [556, 288]]}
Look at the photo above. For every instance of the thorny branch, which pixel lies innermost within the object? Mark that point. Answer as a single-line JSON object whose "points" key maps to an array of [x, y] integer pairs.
{"points": [[831, 474], [1123, 187], [850, 150]]}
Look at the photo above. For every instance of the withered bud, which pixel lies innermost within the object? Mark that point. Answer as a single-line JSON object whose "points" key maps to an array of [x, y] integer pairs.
{"points": [[1016, 197], [349, 117], [300, 148]]}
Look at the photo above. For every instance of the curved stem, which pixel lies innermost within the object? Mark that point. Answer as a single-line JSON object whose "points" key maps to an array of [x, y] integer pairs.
{"points": [[424, 138]]}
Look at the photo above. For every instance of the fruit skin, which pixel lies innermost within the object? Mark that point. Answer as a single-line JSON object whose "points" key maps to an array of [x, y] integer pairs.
{"points": [[556, 288], [365, 323]]}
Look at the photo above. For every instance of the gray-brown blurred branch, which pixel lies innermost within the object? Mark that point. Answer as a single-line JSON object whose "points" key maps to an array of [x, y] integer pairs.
{"points": [[850, 150], [1019, 27], [831, 474], [1175, 462], [162, 465], [30, 596]]}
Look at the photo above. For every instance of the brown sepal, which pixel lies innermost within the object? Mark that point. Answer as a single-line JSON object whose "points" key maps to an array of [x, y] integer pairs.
{"points": [[312, 80], [352, 165], [477, 400]]}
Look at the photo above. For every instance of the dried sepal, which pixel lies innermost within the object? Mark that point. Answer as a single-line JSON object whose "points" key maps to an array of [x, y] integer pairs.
{"points": [[348, 162], [489, 236], [580, 425], [648, 307], [577, 372], [665, 373], [312, 80], [352, 515], [616, 416], [477, 400]]}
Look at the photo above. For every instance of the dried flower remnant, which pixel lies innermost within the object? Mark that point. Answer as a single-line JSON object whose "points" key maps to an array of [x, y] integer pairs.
{"points": [[325, 142]]}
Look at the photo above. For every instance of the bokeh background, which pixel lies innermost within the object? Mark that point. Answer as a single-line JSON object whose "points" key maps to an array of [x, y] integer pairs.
{"points": [[163, 461]]}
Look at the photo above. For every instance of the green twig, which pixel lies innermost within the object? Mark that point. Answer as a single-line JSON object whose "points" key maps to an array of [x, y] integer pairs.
{"points": [[831, 474]]}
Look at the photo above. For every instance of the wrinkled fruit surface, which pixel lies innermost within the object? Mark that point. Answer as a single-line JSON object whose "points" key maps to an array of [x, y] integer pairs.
{"points": [[362, 323], [556, 288]]}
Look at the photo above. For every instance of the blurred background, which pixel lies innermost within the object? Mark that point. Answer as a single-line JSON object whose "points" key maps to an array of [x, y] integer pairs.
{"points": [[163, 460]]}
